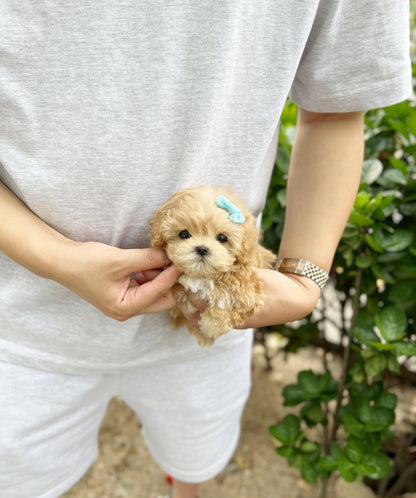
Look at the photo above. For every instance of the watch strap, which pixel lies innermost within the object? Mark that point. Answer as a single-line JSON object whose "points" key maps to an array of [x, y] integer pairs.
{"points": [[304, 268]]}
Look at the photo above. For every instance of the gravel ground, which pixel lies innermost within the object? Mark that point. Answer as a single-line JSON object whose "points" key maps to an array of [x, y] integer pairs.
{"points": [[124, 467]]}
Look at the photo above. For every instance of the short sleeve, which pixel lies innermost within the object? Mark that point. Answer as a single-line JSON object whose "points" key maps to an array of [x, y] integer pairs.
{"points": [[356, 57]]}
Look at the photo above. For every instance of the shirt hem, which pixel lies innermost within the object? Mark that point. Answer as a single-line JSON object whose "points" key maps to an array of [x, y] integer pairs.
{"points": [[373, 98]]}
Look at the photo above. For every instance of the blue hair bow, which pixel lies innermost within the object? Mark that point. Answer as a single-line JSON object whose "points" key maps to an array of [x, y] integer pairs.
{"points": [[236, 215]]}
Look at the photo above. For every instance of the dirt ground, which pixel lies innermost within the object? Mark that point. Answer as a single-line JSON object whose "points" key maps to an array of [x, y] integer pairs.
{"points": [[124, 467]]}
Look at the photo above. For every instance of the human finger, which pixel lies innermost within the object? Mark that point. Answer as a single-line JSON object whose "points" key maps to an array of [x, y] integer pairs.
{"points": [[141, 277], [153, 295], [146, 259]]}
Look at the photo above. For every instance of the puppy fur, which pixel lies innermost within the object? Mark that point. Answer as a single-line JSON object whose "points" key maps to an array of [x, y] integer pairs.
{"points": [[218, 259]]}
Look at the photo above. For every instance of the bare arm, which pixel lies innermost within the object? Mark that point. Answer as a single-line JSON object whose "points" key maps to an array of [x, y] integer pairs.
{"points": [[98, 273], [323, 180]]}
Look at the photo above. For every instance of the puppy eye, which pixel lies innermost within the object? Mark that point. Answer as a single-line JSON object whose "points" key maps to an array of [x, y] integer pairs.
{"points": [[184, 234], [222, 238]]}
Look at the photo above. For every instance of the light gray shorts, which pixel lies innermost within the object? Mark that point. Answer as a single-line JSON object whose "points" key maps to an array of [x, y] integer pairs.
{"points": [[190, 412]]}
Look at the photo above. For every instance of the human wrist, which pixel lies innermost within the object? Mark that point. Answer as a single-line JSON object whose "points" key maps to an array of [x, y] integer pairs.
{"points": [[28, 240], [304, 268], [60, 260], [288, 297]]}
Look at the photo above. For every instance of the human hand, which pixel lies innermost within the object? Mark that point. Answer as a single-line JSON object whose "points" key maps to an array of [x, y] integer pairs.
{"points": [[102, 276], [288, 297]]}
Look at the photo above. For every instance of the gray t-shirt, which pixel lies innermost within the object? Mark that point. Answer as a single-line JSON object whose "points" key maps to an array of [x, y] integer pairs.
{"points": [[107, 108]]}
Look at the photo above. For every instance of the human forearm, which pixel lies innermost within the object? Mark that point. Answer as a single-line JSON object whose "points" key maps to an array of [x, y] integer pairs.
{"points": [[99, 273], [28, 240], [323, 180]]}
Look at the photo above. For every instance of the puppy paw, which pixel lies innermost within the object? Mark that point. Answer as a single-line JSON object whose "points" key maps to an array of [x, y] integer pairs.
{"points": [[177, 318], [203, 340], [214, 326]]}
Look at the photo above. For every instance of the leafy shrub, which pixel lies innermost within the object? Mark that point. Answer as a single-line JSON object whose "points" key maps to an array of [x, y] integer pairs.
{"points": [[374, 276]]}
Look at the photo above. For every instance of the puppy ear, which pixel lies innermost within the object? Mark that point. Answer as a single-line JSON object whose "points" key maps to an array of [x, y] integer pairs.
{"points": [[247, 255], [252, 253], [156, 229], [162, 219], [265, 258]]}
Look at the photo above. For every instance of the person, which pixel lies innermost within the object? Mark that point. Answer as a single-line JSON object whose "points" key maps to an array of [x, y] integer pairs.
{"points": [[107, 108]]}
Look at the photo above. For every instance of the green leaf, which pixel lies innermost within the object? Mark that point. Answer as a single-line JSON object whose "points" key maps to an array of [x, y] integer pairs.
{"points": [[381, 464], [405, 348], [406, 271], [364, 260], [328, 463], [309, 446], [313, 412], [355, 449], [348, 255], [309, 473], [290, 133], [361, 201], [408, 209], [373, 244], [335, 450], [383, 347], [363, 469], [398, 164], [346, 469], [363, 390], [350, 232], [391, 178], [297, 460], [353, 425], [372, 169], [374, 204], [282, 160], [386, 400], [391, 257], [386, 205], [363, 409], [281, 197], [311, 451], [404, 293], [371, 441], [360, 220], [309, 383], [293, 395], [365, 336], [375, 365], [286, 451], [326, 382], [328, 387], [392, 323], [397, 241], [287, 431], [365, 319], [393, 365], [381, 420], [368, 353], [381, 272]]}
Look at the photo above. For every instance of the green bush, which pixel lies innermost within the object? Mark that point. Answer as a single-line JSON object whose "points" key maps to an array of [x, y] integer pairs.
{"points": [[374, 276]]}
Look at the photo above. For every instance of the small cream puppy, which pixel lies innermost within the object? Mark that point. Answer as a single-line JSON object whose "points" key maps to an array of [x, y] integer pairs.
{"points": [[213, 239]]}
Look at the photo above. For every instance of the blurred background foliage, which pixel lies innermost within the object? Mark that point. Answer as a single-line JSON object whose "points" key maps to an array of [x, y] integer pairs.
{"points": [[373, 290]]}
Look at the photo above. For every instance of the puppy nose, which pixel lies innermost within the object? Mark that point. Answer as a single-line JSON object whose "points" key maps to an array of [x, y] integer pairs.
{"points": [[202, 250]]}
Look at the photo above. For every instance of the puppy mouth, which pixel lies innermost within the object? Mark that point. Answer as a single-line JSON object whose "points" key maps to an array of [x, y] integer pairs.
{"points": [[201, 259], [202, 263]]}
